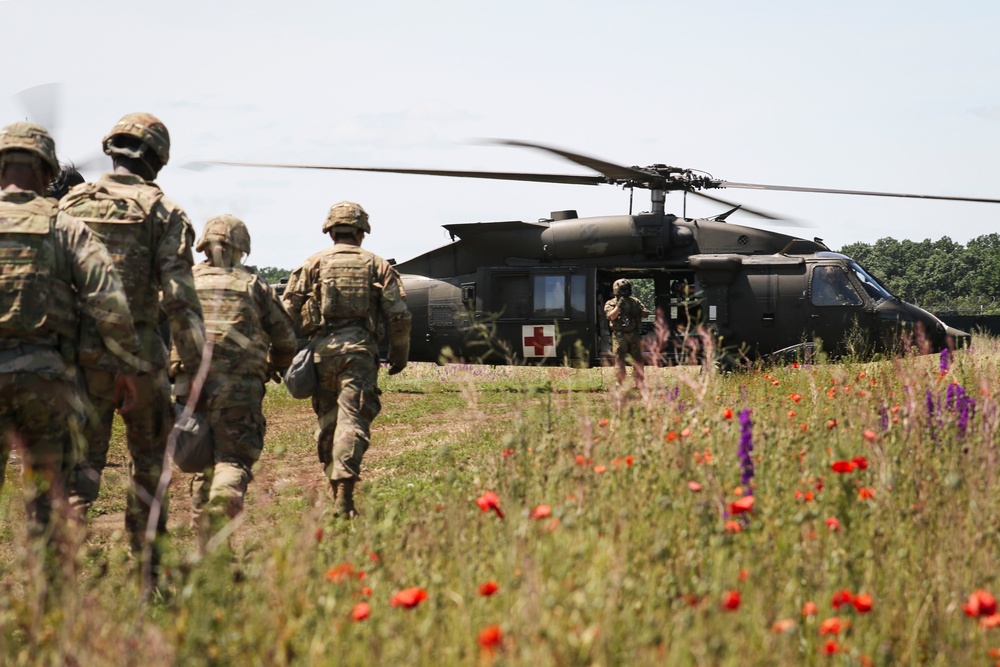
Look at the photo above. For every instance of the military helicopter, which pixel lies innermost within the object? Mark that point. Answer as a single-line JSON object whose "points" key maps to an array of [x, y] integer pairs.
{"points": [[533, 292]]}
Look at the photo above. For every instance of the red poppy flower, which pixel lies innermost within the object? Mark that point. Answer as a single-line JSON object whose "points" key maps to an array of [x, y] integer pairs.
{"points": [[981, 603], [362, 610], [991, 621], [866, 493], [604, 422], [861, 462], [540, 512], [731, 600], [628, 461], [408, 597], [831, 647], [366, 591], [600, 469], [862, 603], [489, 588], [810, 609], [841, 598], [832, 424], [782, 626], [732, 527], [870, 435], [727, 413], [694, 486], [490, 501], [832, 626], [843, 466], [318, 534], [339, 573], [833, 524], [744, 504], [507, 452], [490, 638]]}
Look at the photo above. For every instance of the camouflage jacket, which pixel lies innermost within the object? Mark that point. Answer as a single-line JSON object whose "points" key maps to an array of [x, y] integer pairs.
{"points": [[306, 298], [52, 269], [150, 240], [250, 332], [630, 314]]}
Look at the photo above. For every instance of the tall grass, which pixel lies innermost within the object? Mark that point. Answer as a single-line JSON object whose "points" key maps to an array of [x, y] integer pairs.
{"points": [[621, 539]]}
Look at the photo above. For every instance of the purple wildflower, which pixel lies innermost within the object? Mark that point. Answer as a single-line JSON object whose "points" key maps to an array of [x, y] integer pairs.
{"points": [[885, 419], [944, 359], [746, 447]]}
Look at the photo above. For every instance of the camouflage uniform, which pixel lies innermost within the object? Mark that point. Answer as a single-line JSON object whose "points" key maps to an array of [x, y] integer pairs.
{"points": [[343, 299], [150, 239], [51, 267], [625, 339], [252, 337]]}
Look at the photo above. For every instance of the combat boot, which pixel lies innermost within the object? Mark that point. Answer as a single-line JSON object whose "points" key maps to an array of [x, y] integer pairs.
{"points": [[343, 498]]}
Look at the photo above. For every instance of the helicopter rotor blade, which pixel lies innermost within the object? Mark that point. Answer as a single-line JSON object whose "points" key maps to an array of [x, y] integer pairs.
{"points": [[615, 172], [570, 179], [42, 105], [869, 193], [746, 209]]}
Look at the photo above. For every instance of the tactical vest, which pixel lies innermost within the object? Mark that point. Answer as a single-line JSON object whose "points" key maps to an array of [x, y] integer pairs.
{"points": [[37, 306], [232, 320], [121, 215], [345, 288]]}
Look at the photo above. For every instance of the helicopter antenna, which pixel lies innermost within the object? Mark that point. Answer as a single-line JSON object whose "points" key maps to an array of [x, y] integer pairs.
{"points": [[631, 195]]}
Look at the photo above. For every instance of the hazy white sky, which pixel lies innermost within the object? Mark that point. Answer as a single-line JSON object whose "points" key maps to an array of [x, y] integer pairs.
{"points": [[887, 95]]}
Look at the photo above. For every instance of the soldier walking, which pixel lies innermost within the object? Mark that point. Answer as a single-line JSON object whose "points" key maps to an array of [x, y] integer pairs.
{"points": [[149, 239], [252, 339], [343, 299], [51, 266]]}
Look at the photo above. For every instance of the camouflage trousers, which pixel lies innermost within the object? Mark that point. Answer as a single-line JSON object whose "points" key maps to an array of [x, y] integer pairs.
{"points": [[43, 419], [232, 408], [146, 429], [627, 350], [346, 403]]}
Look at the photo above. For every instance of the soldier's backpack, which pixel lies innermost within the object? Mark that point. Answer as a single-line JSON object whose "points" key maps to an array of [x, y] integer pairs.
{"points": [[345, 287]]}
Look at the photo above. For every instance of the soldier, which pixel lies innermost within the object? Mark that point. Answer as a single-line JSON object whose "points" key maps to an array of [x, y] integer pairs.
{"points": [[252, 339], [149, 238], [624, 313], [342, 299], [51, 266]]}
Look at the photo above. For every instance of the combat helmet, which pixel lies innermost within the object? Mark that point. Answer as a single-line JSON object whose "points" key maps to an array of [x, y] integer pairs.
{"points": [[145, 127], [226, 229], [33, 139], [347, 214], [622, 287]]}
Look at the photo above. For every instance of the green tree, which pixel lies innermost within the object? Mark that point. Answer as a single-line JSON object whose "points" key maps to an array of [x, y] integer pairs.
{"points": [[271, 274]]}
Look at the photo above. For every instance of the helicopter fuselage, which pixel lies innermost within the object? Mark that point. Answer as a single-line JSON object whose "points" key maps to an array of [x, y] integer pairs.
{"points": [[518, 292]]}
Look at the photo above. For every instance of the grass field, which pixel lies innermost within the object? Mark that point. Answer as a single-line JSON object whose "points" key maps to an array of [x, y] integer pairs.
{"points": [[840, 514]]}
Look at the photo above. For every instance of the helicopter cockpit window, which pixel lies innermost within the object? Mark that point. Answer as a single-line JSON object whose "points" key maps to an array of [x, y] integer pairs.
{"points": [[550, 296], [872, 286], [831, 287]]}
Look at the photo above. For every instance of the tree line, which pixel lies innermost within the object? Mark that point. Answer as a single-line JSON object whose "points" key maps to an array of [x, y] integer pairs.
{"points": [[941, 276]]}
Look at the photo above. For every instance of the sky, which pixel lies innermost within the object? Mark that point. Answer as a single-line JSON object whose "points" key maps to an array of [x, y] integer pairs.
{"points": [[880, 95]]}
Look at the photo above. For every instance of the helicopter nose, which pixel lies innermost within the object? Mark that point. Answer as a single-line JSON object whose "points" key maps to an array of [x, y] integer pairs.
{"points": [[961, 338]]}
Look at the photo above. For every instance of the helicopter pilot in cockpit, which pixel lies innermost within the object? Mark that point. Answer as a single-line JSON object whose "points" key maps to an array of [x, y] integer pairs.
{"points": [[831, 287]]}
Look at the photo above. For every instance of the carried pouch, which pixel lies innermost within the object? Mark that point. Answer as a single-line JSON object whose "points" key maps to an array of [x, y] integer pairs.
{"points": [[300, 378], [195, 450]]}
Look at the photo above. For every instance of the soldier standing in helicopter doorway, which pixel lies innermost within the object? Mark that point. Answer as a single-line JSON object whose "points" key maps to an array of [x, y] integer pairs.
{"points": [[624, 313], [343, 299]]}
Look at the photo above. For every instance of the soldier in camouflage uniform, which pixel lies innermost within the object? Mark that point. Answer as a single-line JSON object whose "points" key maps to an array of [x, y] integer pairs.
{"points": [[51, 267], [150, 239], [624, 313], [343, 299], [252, 339]]}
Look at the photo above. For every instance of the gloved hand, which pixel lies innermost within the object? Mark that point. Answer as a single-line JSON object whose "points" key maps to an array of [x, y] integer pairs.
{"points": [[274, 376], [396, 368]]}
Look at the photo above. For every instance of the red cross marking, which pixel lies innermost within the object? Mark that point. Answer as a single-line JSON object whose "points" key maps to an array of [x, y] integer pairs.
{"points": [[539, 341]]}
